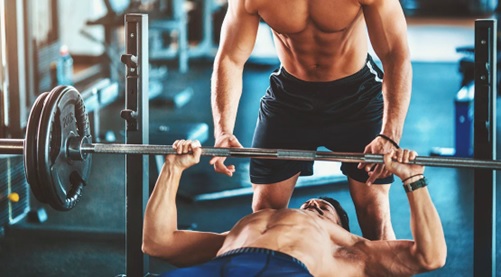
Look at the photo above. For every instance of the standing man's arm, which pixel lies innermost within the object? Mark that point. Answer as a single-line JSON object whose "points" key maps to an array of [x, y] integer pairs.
{"points": [[388, 35], [238, 35], [161, 238], [428, 250]]}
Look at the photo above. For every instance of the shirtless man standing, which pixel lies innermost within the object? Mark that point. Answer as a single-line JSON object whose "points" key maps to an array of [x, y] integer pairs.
{"points": [[327, 92], [310, 241]]}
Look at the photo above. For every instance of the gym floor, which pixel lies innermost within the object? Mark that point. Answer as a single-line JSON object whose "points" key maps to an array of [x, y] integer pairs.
{"points": [[90, 239]]}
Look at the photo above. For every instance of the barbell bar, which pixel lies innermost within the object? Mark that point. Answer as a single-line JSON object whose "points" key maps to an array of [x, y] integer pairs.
{"points": [[288, 154], [16, 146], [57, 150]]}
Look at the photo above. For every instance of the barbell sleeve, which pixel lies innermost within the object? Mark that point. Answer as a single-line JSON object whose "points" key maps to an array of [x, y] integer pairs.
{"points": [[12, 146]]}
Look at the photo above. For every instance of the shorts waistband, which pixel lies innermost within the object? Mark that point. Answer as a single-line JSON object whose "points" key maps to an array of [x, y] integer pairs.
{"points": [[255, 250], [366, 70]]}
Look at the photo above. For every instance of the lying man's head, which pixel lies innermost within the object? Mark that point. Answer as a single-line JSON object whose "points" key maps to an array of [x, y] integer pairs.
{"points": [[327, 205]]}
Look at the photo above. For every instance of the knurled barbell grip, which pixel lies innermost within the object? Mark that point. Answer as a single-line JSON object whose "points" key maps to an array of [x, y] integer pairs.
{"points": [[167, 149], [441, 162], [206, 151], [306, 155], [145, 149], [457, 162], [298, 155]]}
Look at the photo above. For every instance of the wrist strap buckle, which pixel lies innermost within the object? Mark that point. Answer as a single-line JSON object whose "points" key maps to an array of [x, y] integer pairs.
{"points": [[421, 183]]}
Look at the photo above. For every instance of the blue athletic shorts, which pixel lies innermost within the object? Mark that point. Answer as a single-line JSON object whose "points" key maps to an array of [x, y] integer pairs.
{"points": [[342, 115], [246, 262]]}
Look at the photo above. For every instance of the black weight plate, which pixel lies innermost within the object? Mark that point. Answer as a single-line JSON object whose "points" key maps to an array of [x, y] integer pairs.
{"points": [[30, 148], [63, 116]]}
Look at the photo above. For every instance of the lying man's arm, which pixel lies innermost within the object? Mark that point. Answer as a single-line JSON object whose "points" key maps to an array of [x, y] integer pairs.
{"points": [[161, 238], [428, 250]]}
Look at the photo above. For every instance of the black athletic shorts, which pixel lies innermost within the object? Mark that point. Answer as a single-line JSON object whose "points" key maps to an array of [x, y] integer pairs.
{"points": [[344, 115]]}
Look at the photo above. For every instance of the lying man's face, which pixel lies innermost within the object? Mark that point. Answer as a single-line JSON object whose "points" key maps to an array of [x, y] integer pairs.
{"points": [[323, 208]]}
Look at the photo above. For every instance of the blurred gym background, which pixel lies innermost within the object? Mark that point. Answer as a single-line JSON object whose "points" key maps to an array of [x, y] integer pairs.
{"points": [[44, 43]]}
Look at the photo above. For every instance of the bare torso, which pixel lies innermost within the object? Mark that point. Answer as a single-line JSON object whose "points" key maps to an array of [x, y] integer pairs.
{"points": [[316, 40], [323, 246]]}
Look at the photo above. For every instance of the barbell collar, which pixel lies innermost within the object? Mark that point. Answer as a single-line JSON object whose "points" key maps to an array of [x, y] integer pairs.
{"points": [[74, 149]]}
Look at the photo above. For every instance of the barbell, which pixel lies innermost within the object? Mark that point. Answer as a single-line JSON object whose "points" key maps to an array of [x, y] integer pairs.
{"points": [[58, 145]]}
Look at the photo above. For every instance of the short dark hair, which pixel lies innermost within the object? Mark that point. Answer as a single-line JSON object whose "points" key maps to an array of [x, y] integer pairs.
{"points": [[340, 211]]}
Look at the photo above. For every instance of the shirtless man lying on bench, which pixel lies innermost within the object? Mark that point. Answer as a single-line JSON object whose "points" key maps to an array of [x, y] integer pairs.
{"points": [[313, 240]]}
